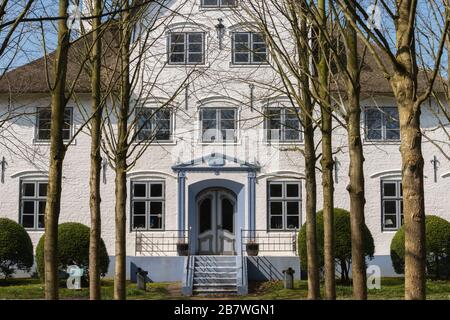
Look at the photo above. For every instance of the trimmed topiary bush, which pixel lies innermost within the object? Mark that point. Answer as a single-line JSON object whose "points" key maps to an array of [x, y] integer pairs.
{"points": [[343, 249], [437, 243], [16, 248], [73, 248]]}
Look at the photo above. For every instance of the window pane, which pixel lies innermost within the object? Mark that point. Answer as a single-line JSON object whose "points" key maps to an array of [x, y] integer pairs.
{"points": [[28, 190], [177, 58], [292, 222], [41, 221], [44, 135], [228, 3], [28, 207], [41, 207], [292, 190], [195, 38], [258, 38], [156, 208], [205, 215], [227, 215], [155, 222], [276, 190], [276, 208], [210, 3], [276, 222], [390, 221], [241, 37], [292, 208], [195, 58], [177, 48], [242, 58], [139, 190], [209, 114], [373, 124], [390, 207], [177, 38], [28, 221], [291, 135], [67, 121], [139, 222], [392, 134], [227, 114], [389, 189], [195, 48], [43, 123], [156, 190], [139, 207]]}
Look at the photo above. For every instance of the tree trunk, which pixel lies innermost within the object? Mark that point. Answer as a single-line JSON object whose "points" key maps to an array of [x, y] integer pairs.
{"points": [[121, 155], [120, 260], [404, 84], [96, 160], [356, 169], [57, 153], [326, 162], [310, 160]]}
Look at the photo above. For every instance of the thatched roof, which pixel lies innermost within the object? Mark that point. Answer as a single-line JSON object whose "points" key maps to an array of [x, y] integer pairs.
{"points": [[32, 77]]}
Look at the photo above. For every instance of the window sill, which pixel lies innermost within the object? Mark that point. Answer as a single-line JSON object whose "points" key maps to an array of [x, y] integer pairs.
{"points": [[187, 66], [201, 143], [217, 8], [47, 142], [35, 230], [382, 142], [249, 65], [284, 143], [157, 143]]}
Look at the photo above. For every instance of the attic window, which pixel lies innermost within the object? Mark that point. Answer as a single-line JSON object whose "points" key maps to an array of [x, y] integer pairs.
{"points": [[218, 3], [43, 121]]}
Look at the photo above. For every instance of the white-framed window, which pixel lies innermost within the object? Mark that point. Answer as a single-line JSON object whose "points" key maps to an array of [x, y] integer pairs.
{"points": [[283, 125], [218, 124], [382, 124], [218, 3], [284, 205], [154, 124], [249, 48], [187, 48], [391, 204], [33, 196], [147, 205], [44, 120]]}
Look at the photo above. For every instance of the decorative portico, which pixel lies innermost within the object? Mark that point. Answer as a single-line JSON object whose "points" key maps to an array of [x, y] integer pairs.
{"points": [[217, 207]]}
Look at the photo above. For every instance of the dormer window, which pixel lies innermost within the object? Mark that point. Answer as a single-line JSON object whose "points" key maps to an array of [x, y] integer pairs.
{"points": [[187, 48], [218, 3]]}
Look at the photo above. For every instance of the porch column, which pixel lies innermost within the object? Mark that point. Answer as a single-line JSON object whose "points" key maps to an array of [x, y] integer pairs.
{"points": [[251, 203], [181, 203]]}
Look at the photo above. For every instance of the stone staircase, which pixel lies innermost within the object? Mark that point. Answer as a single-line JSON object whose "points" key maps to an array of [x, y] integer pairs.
{"points": [[215, 275]]}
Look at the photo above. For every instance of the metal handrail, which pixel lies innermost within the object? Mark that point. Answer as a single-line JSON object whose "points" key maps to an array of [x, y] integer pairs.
{"points": [[159, 243], [270, 241]]}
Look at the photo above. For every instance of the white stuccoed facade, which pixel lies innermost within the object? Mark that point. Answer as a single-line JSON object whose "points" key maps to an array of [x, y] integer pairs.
{"points": [[219, 84]]}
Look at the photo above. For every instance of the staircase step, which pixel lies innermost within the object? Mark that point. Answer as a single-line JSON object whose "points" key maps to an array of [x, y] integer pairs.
{"points": [[214, 275], [217, 274], [230, 281], [214, 291]]}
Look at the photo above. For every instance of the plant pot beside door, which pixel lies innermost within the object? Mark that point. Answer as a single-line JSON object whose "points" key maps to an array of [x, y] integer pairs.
{"points": [[252, 248], [182, 248]]}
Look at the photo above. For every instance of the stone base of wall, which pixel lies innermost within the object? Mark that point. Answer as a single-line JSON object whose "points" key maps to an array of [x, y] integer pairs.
{"points": [[262, 268]]}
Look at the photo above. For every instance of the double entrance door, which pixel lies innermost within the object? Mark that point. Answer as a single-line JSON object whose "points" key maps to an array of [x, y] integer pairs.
{"points": [[216, 212]]}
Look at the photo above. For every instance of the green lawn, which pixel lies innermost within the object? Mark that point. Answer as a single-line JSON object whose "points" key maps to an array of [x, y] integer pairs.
{"points": [[391, 288], [34, 289]]}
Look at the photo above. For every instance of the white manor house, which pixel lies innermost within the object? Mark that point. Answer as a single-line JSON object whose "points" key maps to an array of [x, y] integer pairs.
{"points": [[224, 164]]}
